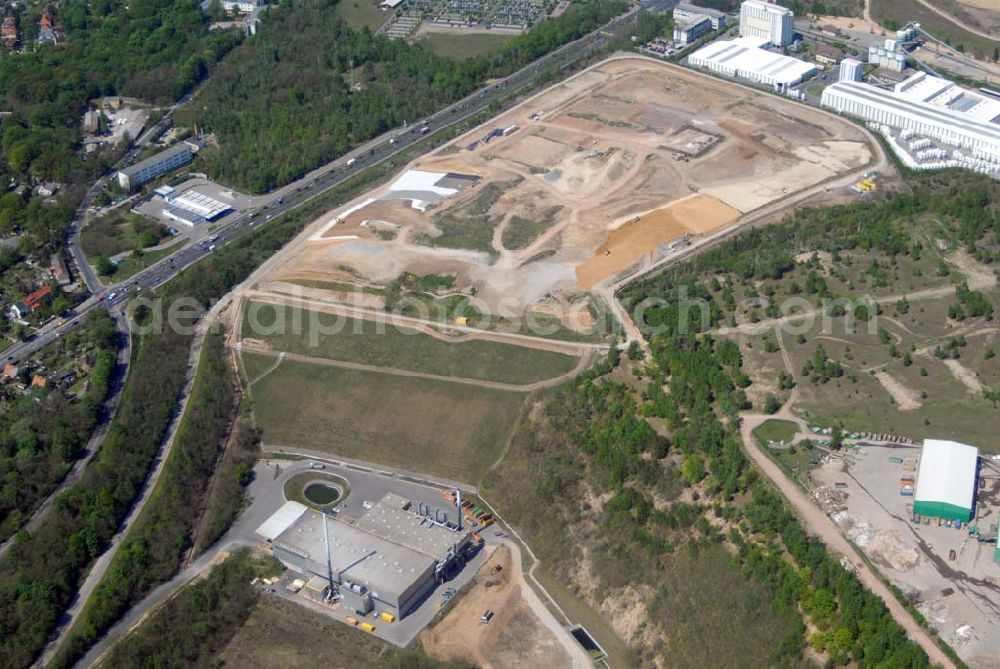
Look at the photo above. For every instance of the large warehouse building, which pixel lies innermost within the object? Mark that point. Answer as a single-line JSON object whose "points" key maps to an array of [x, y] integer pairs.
{"points": [[948, 124], [946, 480], [746, 57], [387, 561]]}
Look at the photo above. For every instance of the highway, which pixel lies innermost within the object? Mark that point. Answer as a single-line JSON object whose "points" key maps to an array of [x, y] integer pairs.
{"points": [[297, 193]]}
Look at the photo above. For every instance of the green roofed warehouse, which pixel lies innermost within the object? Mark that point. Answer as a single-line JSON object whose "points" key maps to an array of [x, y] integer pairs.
{"points": [[946, 480]]}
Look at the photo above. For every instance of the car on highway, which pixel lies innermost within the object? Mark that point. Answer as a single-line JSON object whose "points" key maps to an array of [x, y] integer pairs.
{"points": [[317, 465]]}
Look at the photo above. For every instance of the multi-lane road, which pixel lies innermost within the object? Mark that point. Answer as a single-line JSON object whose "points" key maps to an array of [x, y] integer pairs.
{"points": [[308, 187]]}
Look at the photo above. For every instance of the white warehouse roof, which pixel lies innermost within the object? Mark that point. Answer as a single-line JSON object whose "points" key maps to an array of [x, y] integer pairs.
{"points": [[896, 110], [281, 520], [947, 473], [745, 57], [199, 204]]}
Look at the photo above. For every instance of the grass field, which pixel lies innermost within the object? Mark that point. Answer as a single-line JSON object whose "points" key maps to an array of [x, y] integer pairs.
{"points": [[117, 232], [776, 430], [401, 348], [132, 264], [255, 364], [361, 13], [452, 430], [284, 634], [459, 46]]}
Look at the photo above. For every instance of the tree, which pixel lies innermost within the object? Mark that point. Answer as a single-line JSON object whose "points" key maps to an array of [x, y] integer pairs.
{"points": [[104, 266], [771, 403]]}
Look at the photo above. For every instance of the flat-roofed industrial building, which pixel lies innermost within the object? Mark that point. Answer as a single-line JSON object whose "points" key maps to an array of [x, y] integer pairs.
{"points": [[946, 480], [387, 560], [905, 110], [746, 57]]}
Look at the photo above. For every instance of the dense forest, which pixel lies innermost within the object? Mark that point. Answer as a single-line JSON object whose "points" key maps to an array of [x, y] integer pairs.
{"points": [[155, 50], [43, 431], [308, 87], [154, 548]]}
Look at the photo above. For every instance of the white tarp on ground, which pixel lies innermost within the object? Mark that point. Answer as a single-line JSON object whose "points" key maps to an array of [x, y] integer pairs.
{"points": [[421, 180], [947, 473], [281, 520]]}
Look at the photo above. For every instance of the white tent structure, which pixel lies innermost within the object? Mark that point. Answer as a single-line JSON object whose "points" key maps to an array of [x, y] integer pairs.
{"points": [[946, 480]]}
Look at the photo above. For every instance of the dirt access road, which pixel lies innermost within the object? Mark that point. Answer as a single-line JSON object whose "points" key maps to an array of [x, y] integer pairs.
{"points": [[583, 363], [818, 523]]}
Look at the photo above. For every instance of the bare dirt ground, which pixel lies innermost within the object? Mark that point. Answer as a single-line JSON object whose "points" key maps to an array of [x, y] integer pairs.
{"points": [[905, 398], [599, 150], [514, 637], [960, 597]]}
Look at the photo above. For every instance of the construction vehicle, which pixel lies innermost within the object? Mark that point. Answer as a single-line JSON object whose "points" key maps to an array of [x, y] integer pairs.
{"points": [[367, 626], [387, 617], [352, 621]]}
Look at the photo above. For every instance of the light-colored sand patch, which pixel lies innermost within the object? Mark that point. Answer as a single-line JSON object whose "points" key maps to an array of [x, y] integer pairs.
{"points": [[748, 195], [965, 376], [991, 5], [906, 399], [625, 245], [836, 155]]}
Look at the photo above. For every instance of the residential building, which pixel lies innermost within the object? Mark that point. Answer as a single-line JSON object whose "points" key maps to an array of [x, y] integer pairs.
{"points": [[92, 122], [8, 32], [111, 103], [165, 161], [46, 189], [769, 21], [31, 302], [59, 271], [39, 381], [241, 6], [828, 55]]}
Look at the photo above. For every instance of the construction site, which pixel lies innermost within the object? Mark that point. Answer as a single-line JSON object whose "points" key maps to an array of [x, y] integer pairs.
{"points": [[927, 517], [552, 202]]}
